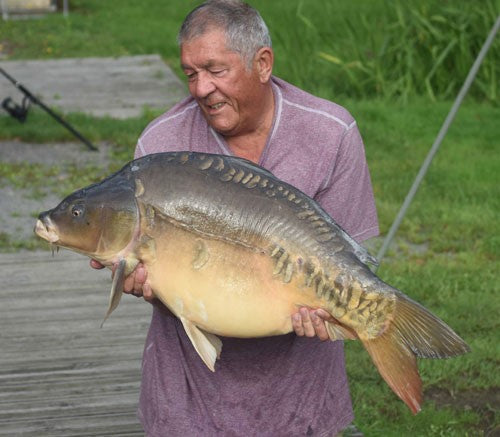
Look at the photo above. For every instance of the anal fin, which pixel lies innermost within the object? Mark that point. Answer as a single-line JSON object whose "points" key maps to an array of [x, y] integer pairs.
{"points": [[339, 332], [206, 344]]}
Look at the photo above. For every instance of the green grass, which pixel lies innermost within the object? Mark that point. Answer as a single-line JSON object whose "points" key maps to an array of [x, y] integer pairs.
{"points": [[454, 219], [40, 127], [448, 247]]}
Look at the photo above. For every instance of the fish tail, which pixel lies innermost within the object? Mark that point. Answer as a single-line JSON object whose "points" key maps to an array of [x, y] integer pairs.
{"points": [[413, 332]]}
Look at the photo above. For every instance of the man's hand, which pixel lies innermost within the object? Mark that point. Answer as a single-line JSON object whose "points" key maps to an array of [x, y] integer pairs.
{"points": [[311, 323], [135, 283]]}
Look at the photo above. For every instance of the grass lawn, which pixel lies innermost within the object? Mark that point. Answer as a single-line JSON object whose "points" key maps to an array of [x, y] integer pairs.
{"points": [[448, 247]]}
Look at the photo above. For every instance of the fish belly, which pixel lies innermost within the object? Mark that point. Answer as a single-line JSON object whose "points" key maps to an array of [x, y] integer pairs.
{"points": [[224, 288]]}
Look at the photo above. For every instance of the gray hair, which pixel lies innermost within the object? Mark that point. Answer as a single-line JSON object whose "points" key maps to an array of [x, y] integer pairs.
{"points": [[243, 26]]}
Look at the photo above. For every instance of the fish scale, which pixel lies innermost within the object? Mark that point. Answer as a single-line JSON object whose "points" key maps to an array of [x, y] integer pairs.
{"points": [[231, 250]]}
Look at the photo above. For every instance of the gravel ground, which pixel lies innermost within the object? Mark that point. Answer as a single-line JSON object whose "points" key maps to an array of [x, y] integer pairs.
{"points": [[18, 207], [116, 87]]}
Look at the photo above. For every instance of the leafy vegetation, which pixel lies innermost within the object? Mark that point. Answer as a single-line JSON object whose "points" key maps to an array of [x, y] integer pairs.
{"points": [[391, 48], [395, 65]]}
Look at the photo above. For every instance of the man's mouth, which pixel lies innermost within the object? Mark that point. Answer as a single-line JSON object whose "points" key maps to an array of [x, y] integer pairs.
{"points": [[216, 106]]}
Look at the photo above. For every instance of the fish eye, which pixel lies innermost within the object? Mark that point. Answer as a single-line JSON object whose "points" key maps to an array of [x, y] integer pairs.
{"points": [[77, 210]]}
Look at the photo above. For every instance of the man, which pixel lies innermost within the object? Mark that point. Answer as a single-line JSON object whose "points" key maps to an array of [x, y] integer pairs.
{"points": [[278, 386]]}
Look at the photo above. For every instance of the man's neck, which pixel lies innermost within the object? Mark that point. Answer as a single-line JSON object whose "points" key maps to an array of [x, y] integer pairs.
{"points": [[249, 146]]}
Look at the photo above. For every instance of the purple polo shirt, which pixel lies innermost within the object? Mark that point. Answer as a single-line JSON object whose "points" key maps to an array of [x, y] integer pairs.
{"points": [[274, 386]]}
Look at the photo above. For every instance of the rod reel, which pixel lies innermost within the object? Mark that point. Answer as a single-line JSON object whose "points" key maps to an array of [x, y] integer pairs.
{"points": [[19, 112]]}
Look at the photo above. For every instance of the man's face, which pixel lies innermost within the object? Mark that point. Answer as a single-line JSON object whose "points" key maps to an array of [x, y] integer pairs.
{"points": [[227, 92]]}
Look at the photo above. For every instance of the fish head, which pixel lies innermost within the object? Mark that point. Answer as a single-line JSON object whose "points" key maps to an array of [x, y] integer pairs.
{"points": [[99, 221]]}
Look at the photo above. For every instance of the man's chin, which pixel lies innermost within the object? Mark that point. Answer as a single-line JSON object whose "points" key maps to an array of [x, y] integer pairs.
{"points": [[221, 126]]}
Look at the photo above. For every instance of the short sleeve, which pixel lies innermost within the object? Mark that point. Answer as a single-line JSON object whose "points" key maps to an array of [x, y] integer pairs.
{"points": [[347, 193]]}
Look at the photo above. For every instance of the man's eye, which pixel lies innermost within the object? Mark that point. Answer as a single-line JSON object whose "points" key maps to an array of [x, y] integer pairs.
{"points": [[218, 72]]}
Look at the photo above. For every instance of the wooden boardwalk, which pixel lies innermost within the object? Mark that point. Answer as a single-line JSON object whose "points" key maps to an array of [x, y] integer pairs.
{"points": [[60, 373]]}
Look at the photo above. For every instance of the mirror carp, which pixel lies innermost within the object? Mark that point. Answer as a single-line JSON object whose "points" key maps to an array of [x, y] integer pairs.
{"points": [[233, 251]]}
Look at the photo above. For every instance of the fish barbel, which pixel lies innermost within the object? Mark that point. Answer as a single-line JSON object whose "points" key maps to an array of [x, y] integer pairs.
{"points": [[233, 251]]}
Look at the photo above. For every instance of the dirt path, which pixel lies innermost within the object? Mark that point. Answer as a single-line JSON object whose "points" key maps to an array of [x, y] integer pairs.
{"points": [[115, 87]]}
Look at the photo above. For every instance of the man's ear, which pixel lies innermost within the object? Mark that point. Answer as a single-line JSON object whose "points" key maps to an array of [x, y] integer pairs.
{"points": [[264, 59]]}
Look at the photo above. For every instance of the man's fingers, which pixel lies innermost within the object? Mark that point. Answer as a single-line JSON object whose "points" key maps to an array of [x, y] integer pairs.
{"points": [[134, 282], [297, 324], [129, 283], [311, 323], [307, 322], [319, 326], [96, 264], [302, 324], [147, 292], [140, 275]]}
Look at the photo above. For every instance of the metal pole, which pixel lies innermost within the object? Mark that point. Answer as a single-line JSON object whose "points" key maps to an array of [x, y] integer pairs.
{"points": [[438, 140], [34, 99]]}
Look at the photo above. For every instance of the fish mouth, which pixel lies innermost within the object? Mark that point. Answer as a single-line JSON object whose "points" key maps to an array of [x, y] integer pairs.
{"points": [[46, 230]]}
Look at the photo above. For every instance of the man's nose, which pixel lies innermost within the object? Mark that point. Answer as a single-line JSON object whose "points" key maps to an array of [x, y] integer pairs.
{"points": [[203, 85]]}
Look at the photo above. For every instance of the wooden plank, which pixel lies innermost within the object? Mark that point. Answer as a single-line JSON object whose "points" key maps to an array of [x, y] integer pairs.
{"points": [[60, 373]]}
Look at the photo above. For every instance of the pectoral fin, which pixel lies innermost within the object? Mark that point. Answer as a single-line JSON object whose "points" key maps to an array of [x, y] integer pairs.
{"points": [[116, 289], [206, 344]]}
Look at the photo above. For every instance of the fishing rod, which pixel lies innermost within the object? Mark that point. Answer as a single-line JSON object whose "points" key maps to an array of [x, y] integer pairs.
{"points": [[20, 112]]}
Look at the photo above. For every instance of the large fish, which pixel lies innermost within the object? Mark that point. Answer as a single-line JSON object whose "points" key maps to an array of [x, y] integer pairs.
{"points": [[231, 250]]}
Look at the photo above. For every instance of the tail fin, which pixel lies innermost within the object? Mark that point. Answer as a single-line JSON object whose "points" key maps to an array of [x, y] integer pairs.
{"points": [[413, 332]]}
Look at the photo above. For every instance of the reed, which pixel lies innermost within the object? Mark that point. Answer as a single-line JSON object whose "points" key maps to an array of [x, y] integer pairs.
{"points": [[387, 49]]}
